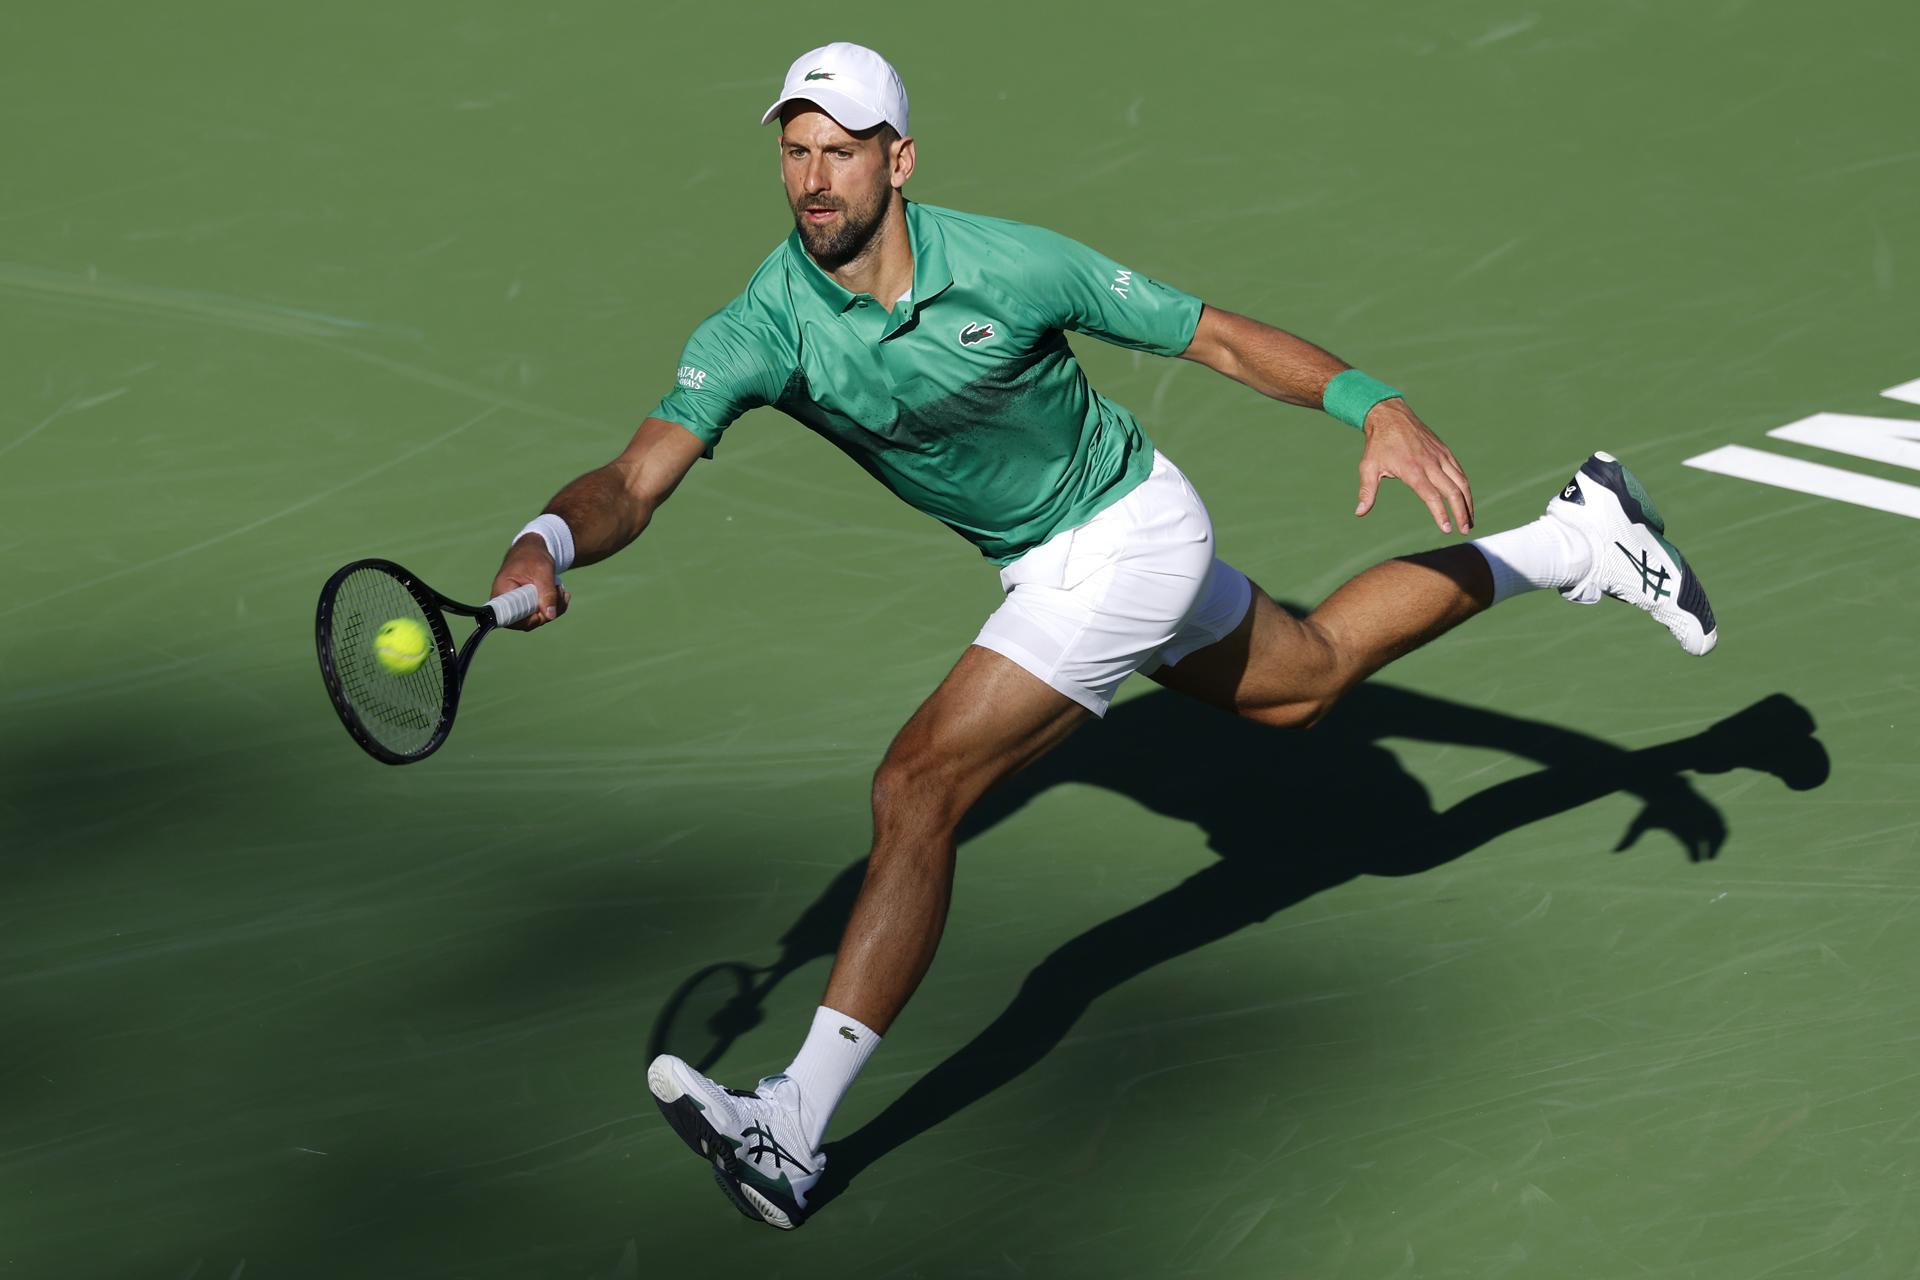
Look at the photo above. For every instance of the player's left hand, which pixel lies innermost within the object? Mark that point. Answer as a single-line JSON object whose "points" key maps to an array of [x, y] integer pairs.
{"points": [[1401, 446]]}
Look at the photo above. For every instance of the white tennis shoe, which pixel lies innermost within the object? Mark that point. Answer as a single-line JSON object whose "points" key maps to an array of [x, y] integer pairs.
{"points": [[1632, 559], [753, 1140]]}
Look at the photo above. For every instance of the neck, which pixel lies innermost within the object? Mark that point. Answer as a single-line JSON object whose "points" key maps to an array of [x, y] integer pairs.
{"points": [[884, 268]]}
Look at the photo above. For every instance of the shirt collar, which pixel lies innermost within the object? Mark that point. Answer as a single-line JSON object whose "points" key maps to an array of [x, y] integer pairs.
{"points": [[931, 275]]}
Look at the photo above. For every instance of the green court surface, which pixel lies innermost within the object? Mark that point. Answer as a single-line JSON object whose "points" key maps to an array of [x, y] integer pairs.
{"points": [[284, 287]]}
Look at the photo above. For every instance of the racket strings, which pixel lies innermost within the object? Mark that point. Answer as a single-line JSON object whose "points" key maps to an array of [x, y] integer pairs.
{"points": [[401, 712]]}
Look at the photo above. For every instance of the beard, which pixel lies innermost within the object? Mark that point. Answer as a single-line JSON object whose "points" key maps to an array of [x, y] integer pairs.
{"points": [[835, 245]]}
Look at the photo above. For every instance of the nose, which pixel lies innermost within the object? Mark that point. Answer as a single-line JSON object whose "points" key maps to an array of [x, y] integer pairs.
{"points": [[814, 180]]}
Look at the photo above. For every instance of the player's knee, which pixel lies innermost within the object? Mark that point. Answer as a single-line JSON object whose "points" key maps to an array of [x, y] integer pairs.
{"points": [[910, 788]]}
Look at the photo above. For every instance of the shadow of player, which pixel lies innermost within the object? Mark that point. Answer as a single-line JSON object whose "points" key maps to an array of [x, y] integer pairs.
{"points": [[1351, 809]]}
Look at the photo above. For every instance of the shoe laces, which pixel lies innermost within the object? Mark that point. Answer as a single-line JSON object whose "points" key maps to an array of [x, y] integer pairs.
{"points": [[783, 1091]]}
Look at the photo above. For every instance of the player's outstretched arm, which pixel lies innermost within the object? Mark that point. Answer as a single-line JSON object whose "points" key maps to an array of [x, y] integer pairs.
{"points": [[1276, 363], [605, 509]]}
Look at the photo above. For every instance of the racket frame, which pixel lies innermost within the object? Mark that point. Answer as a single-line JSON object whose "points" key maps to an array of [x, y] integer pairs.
{"points": [[453, 661]]}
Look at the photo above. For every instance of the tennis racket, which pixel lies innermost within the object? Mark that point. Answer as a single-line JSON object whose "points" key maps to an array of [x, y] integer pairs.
{"points": [[399, 719]]}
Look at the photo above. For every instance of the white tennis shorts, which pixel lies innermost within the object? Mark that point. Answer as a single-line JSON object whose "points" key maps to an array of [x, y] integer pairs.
{"points": [[1133, 589]]}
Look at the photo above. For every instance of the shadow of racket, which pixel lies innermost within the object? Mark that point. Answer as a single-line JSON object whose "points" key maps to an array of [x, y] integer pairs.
{"points": [[710, 1010]]}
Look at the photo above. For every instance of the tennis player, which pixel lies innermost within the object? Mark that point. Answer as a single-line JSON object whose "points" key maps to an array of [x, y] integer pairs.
{"points": [[930, 346]]}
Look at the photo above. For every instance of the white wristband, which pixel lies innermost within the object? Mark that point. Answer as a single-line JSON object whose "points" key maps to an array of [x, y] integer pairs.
{"points": [[559, 539]]}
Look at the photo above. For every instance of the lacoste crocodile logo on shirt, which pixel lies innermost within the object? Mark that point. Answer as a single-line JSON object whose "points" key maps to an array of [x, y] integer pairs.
{"points": [[975, 334]]}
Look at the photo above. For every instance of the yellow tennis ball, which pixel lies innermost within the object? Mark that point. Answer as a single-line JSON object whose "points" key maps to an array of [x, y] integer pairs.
{"points": [[401, 645]]}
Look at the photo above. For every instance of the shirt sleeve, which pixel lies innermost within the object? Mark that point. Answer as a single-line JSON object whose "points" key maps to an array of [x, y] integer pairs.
{"points": [[1093, 294], [723, 373]]}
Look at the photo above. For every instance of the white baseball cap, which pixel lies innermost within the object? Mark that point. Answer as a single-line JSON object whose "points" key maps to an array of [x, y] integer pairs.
{"points": [[850, 82]]}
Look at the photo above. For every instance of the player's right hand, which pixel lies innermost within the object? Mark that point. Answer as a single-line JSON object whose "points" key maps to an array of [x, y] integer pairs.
{"points": [[528, 562]]}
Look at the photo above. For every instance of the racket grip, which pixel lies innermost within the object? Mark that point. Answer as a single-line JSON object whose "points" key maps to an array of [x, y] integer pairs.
{"points": [[514, 605]]}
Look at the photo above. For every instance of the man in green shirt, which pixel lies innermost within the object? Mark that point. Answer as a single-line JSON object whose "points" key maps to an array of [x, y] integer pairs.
{"points": [[930, 346]]}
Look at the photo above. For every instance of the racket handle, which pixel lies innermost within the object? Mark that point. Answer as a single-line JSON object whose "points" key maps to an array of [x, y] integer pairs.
{"points": [[514, 605]]}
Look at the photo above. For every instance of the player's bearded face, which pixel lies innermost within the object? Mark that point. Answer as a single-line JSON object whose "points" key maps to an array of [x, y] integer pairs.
{"points": [[838, 185], [840, 239]]}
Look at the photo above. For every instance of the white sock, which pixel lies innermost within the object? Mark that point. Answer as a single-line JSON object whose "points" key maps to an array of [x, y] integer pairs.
{"points": [[836, 1048], [1535, 556]]}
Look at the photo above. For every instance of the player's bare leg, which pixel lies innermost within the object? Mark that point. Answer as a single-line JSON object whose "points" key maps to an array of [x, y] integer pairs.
{"points": [[1601, 536], [1289, 671], [987, 719]]}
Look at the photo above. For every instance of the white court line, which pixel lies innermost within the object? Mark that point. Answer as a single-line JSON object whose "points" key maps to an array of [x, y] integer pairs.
{"points": [[1894, 441], [40, 598], [1811, 477]]}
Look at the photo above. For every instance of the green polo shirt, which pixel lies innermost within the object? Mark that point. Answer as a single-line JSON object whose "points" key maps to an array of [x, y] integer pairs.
{"points": [[965, 400]]}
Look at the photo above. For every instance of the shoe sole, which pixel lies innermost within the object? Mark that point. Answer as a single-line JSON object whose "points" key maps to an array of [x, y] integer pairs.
{"points": [[686, 1119]]}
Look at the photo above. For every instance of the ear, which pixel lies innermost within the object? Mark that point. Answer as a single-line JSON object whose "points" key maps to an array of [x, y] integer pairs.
{"points": [[900, 167]]}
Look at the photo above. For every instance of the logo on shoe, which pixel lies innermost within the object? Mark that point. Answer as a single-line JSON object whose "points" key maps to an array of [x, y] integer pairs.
{"points": [[1572, 493], [763, 1143], [975, 334], [1652, 578]]}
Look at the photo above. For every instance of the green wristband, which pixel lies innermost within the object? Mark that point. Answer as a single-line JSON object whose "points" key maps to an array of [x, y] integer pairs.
{"points": [[1351, 393]]}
